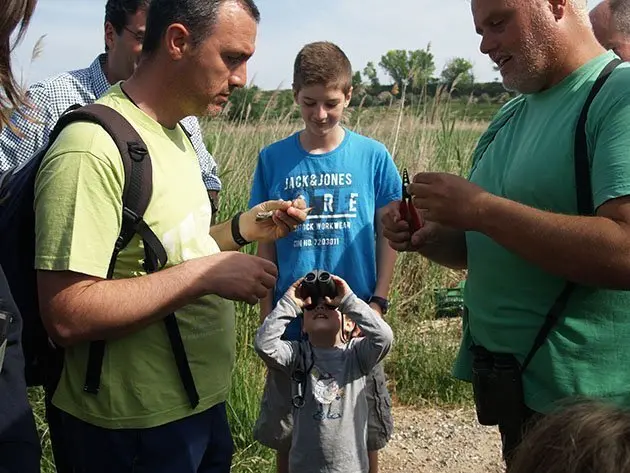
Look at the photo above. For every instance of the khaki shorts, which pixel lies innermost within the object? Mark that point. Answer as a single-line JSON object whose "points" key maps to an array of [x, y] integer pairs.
{"points": [[275, 421], [380, 420]]}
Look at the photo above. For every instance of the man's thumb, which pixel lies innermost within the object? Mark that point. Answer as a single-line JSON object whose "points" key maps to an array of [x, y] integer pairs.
{"points": [[420, 237], [276, 205]]}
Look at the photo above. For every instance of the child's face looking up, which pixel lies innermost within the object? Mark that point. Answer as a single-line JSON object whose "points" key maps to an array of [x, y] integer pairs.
{"points": [[325, 320]]}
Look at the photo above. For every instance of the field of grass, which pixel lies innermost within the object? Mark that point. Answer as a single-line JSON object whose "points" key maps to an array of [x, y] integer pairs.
{"points": [[419, 365]]}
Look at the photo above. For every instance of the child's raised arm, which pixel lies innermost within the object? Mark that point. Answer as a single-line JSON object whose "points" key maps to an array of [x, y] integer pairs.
{"points": [[277, 353], [378, 334]]}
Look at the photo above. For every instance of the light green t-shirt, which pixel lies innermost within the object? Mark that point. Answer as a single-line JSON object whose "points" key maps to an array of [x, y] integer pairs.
{"points": [[78, 210], [531, 161]]}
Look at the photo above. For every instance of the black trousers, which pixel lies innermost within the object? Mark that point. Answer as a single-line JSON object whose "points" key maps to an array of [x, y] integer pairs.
{"points": [[63, 463], [201, 443], [19, 446], [19, 443]]}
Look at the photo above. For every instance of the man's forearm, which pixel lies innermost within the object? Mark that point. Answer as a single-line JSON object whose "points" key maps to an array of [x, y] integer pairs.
{"points": [[447, 248], [586, 250], [222, 234], [79, 308]]}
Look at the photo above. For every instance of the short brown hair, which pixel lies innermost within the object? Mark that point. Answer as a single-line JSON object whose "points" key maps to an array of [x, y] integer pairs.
{"points": [[584, 437], [198, 16], [322, 63], [13, 13]]}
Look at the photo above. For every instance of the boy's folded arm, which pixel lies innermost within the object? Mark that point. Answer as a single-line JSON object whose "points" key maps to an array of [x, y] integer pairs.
{"points": [[275, 352], [378, 334]]}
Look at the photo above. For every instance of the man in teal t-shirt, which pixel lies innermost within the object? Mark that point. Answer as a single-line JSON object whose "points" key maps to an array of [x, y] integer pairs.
{"points": [[514, 223]]}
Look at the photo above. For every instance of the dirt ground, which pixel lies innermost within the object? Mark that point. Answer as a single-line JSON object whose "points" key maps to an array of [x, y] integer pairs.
{"points": [[437, 441]]}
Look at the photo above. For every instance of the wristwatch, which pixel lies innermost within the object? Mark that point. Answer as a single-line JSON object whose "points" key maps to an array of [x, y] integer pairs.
{"points": [[381, 302]]}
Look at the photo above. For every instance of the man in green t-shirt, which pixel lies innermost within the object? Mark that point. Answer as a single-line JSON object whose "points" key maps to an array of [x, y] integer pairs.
{"points": [[514, 223], [142, 417]]}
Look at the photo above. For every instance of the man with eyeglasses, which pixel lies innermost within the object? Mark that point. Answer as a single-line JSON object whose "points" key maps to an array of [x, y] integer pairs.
{"points": [[125, 22], [124, 33]]}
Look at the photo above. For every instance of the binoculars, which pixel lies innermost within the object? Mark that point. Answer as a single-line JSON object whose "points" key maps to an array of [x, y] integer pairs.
{"points": [[317, 285]]}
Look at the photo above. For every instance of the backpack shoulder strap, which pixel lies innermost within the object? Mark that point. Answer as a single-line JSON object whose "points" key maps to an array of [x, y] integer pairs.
{"points": [[584, 196], [138, 185], [583, 186], [137, 191]]}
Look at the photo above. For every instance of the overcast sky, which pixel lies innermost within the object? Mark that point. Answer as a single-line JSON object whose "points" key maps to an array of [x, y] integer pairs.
{"points": [[364, 29]]}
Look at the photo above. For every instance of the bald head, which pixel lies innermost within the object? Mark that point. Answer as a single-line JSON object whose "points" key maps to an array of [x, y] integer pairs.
{"points": [[619, 28], [600, 20], [620, 16]]}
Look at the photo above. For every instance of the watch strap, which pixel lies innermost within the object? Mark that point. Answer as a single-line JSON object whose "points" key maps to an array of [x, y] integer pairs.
{"points": [[236, 232]]}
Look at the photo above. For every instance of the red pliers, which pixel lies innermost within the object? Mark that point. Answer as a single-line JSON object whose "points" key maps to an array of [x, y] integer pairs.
{"points": [[407, 211]]}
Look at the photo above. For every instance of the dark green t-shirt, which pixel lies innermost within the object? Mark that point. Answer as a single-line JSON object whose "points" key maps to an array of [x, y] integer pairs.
{"points": [[531, 161]]}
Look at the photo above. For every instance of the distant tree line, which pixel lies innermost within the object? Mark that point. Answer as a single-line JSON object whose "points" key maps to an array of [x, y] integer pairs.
{"points": [[415, 72], [412, 73]]}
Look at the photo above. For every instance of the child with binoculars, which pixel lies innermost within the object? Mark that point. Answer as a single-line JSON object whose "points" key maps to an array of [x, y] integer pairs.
{"points": [[328, 370]]}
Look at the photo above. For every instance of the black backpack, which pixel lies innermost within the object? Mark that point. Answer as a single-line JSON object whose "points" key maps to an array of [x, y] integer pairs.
{"points": [[44, 360]]}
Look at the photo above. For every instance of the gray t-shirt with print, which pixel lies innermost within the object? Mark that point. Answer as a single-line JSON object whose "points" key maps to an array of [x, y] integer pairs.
{"points": [[330, 430]]}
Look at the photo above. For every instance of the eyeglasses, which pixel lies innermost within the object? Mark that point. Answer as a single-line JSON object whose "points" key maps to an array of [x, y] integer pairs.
{"points": [[137, 35]]}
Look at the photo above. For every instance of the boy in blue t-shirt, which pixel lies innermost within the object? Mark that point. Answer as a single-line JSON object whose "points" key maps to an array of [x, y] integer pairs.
{"points": [[347, 179]]}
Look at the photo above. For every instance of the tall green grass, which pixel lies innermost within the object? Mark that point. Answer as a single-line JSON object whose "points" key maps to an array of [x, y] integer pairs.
{"points": [[419, 364]]}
